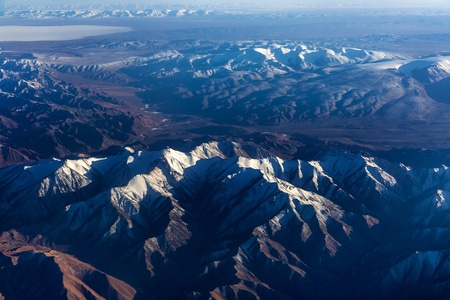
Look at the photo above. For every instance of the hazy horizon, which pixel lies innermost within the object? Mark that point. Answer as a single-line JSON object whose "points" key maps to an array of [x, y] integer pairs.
{"points": [[249, 4]]}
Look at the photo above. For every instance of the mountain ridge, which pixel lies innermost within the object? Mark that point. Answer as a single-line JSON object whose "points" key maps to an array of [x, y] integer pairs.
{"points": [[165, 211]]}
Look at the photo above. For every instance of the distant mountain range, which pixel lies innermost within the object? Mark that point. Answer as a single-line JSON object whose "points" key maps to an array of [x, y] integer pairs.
{"points": [[101, 13], [50, 97]]}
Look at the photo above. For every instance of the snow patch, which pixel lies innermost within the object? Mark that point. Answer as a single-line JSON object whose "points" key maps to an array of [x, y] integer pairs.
{"points": [[266, 52], [440, 199], [138, 186], [81, 166]]}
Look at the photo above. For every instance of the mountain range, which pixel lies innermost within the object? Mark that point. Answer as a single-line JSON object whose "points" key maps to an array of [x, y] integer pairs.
{"points": [[201, 154], [214, 222], [146, 95], [101, 13]]}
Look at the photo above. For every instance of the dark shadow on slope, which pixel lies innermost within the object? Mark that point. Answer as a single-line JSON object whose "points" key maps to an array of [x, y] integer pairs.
{"points": [[439, 91], [222, 205]]}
